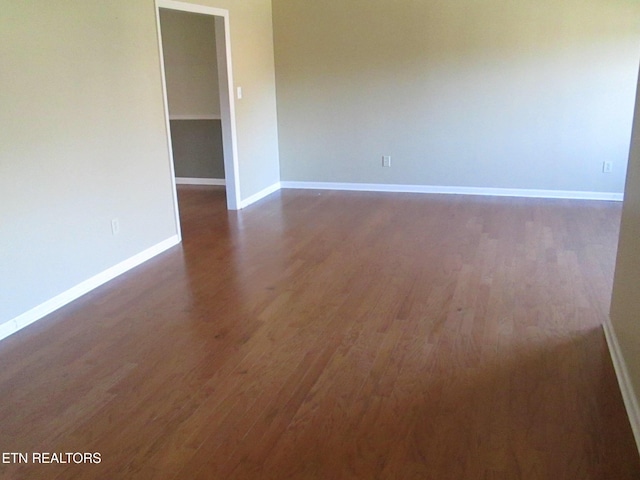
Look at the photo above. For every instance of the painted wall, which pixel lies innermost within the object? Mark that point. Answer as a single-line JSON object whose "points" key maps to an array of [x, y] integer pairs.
{"points": [[518, 94], [191, 73], [625, 304], [197, 148], [251, 31], [82, 141], [83, 137]]}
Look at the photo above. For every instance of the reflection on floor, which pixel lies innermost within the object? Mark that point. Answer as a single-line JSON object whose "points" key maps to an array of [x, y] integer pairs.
{"points": [[336, 335]]}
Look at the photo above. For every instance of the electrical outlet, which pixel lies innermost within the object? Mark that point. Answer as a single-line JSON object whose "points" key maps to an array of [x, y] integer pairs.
{"points": [[607, 167], [386, 161], [115, 226]]}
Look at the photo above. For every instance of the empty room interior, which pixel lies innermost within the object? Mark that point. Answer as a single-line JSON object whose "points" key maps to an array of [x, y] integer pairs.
{"points": [[347, 239]]}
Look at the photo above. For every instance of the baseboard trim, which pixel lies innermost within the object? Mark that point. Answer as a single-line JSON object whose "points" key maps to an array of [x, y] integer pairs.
{"points": [[500, 192], [53, 304], [622, 373], [200, 181], [260, 195]]}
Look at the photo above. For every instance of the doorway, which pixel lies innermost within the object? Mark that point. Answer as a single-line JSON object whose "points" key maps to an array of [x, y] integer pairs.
{"points": [[217, 100]]}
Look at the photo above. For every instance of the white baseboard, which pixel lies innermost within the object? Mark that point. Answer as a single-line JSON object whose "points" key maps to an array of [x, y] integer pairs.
{"points": [[381, 187], [501, 192], [84, 287], [7, 329], [626, 387], [260, 195], [199, 181]]}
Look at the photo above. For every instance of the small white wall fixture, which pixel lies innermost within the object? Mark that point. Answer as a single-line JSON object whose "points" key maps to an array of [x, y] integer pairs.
{"points": [[227, 106]]}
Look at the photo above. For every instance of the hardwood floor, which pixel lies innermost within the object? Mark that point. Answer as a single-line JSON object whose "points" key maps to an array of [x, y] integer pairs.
{"points": [[336, 335]]}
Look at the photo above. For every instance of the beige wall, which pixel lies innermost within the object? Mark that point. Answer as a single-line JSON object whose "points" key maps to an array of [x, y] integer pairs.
{"points": [[251, 31], [517, 94], [83, 137], [193, 93], [82, 141], [625, 304], [191, 73]]}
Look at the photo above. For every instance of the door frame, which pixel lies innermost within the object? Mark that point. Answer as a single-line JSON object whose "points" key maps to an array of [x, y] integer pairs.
{"points": [[227, 105]]}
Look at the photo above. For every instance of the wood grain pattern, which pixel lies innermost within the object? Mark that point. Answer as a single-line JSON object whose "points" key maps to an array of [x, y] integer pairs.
{"points": [[337, 335]]}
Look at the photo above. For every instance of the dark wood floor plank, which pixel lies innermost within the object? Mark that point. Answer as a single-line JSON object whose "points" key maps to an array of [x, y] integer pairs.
{"points": [[337, 335]]}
